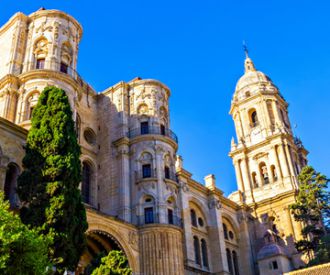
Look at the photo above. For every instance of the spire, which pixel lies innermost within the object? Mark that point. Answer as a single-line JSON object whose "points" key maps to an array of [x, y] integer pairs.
{"points": [[248, 63]]}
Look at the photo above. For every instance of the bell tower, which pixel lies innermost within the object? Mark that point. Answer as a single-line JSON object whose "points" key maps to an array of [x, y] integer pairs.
{"points": [[267, 160], [266, 156]]}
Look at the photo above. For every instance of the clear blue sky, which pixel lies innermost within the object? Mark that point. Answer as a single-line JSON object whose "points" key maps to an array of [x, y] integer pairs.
{"points": [[195, 47]]}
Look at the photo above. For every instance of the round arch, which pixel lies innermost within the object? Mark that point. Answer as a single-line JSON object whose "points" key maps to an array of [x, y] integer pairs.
{"points": [[232, 223], [195, 202], [96, 228]]}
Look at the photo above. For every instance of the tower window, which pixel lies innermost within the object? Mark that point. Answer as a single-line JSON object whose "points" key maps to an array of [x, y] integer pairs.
{"points": [[254, 180], [144, 128], [40, 64], [273, 171], [254, 118], [264, 172], [167, 172], [170, 216], [146, 171], [148, 215], [64, 68], [274, 265], [162, 129]]}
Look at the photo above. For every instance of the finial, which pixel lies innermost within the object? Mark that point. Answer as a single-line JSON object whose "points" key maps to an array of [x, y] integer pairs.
{"points": [[245, 49]]}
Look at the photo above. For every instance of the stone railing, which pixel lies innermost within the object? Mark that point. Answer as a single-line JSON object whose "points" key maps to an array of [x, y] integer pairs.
{"points": [[153, 130]]}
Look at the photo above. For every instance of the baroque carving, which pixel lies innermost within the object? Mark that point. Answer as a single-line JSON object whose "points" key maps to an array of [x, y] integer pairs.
{"points": [[214, 203]]}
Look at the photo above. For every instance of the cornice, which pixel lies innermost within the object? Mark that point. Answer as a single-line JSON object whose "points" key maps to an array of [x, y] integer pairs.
{"points": [[277, 198], [12, 20], [94, 214], [153, 137], [9, 79], [13, 128], [57, 13], [137, 82]]}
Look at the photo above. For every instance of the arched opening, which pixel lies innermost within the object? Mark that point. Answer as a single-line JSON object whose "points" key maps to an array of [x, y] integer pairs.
{"points": [[204, 254], [264, 173], [197, 251], [11, 185], [253, 118], [40, 53], [99, 244], [31, 103], [87, 174], [254, 180], [273, 171]]}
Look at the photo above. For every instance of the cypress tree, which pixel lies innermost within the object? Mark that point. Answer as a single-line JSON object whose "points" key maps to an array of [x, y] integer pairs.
{"points": [[312, 208], [48, 186]]}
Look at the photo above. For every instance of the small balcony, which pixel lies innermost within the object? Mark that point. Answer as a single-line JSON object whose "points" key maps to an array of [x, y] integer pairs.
{"points": [[153, 130], [153, 218]]}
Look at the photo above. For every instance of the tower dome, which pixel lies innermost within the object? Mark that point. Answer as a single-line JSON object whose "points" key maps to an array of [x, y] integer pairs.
{"points": [[251, 76]]}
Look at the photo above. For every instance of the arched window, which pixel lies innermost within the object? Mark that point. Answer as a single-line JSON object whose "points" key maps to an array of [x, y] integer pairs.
{"points": [[40, 52], [229, 261], [31, 102], [11, 184], [167, 172], [66, 57], [273, 171], [86, 182], [254, 180], [247, 94], [253, 118], [264, 172], [197, 251], [146, 165], [193, 217], [204, 253], [235, 261], [225, 231]]}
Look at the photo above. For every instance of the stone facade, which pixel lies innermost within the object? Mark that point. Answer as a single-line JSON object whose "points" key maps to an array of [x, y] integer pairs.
{"points": [[139, 198]]}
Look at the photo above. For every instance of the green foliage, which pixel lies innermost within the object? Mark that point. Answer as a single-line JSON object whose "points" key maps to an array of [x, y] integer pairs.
{"points": [[95, 262], [22, 251], [48, 186], [115, 263], [312, 208]]}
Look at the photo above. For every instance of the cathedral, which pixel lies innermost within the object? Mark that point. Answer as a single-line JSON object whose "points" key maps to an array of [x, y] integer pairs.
{"points": [[139, 197]]}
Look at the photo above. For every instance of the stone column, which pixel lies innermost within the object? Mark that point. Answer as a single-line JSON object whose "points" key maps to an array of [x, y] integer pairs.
{"points": [[161, 207], [246, 253], [283, 162], [188, 237], [124, 182], [3, 171], [246, 174], [161, 250], [277, 116], [289, 157], [216, 237], [239, 176], [278, 166]]}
